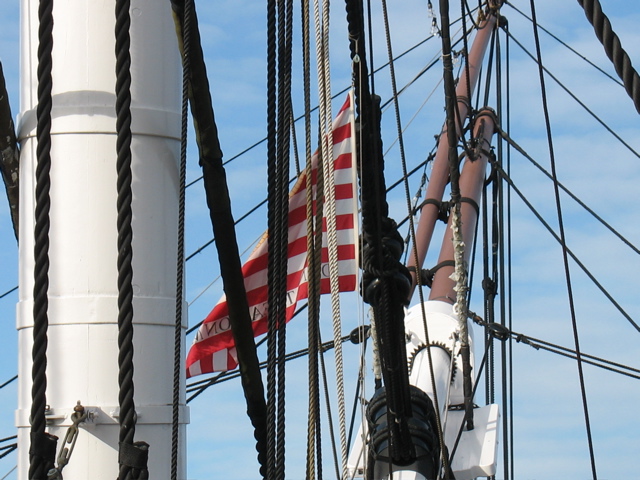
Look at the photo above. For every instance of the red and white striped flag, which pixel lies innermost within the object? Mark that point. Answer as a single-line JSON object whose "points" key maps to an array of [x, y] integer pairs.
{"points": [[213, 347]]}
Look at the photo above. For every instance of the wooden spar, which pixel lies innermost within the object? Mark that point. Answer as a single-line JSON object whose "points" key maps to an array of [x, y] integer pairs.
{"points": [[440, 171]]}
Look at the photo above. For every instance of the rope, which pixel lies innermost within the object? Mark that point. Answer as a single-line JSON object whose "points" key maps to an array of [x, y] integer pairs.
{"points": [[506, 177], [326, 163], [314, 244], [564, 44], [507, 396], [177, 339], [454, 175], [127, 418], [41, 458], [565, 256], [222, 221], [271, 192], [285, 32], [613, 48], [580, 102]]}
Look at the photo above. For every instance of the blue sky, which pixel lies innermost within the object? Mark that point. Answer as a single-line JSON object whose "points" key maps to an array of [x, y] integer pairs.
{"points": [[550, 439]]}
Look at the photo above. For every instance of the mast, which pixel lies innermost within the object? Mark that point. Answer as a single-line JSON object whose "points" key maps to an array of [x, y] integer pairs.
{"points": [[83, 333]]}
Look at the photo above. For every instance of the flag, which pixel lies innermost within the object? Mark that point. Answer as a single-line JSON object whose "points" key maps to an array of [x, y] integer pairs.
{"points": [[213, 347]]}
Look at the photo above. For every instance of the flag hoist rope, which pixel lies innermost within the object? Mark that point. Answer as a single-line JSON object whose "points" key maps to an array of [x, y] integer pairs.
{"points": [[326, 139]]}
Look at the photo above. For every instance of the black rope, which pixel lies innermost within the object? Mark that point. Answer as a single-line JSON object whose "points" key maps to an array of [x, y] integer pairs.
{"points": [[8, 449], [127, 417], [566, 45], [565, 256], [332, 436], [285, 36], [201, 385], [219, 204], [557, 238], [273, 212], [509, 312], [43, 445], [603, 222], [502, 333], [580, 102], [12, 379], [177, 339], [313, 466], [613, 48], [454, 177], [502, 289]]}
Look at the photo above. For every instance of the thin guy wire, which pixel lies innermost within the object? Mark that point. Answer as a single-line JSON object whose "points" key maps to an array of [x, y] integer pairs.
{"points": [[565, 257]]}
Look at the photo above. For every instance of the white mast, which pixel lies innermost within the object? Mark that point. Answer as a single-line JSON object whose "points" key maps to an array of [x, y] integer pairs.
{"points": [[83, 348]]}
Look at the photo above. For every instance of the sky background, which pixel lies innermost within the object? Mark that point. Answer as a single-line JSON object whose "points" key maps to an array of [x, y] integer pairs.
{"points": [[550, 440]]}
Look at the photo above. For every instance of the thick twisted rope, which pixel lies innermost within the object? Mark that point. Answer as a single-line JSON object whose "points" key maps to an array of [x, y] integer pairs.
{"points": [[127, 418], [613, 48], [276, 270], [38, 466]]}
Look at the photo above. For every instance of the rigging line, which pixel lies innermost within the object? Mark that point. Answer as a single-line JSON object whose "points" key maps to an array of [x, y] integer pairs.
{"points": [[569, 47], [565, 257], [572, 95], [454, 177], [9, 449], [587, 361], [332, 436], [539, 344], [198, 387], [41, 457], [9, 472], [177, 345], [333, 97], [15, 377], [509, 249], [314, 434], [502, 297], [9, 291], [215, 280], [449, 94], [512, 143], [504, 175], [434, 61], [127, 418], [613, 48], [467, 73], [462, 424], [592, 359]]}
